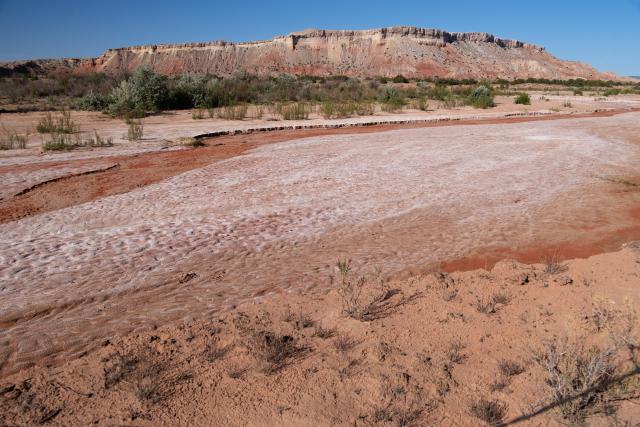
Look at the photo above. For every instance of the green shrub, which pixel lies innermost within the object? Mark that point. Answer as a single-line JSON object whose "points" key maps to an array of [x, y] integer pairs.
{"points": [[610, 92], [523, 99], [144, 92], [400, 79], [481, 97], [391, 99], [61, 142], [439, 93], [92, 102]]}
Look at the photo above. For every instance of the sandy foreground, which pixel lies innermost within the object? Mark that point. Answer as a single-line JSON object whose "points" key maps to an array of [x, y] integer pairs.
{"points": [[113, 277]]}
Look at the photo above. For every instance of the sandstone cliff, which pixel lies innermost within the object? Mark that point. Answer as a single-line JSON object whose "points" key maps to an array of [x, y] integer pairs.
{"points": [[410, 51]]}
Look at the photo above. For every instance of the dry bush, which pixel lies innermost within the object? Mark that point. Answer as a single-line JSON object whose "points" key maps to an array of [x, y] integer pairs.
{"points": [[66, 142], [490, 304], [135, 131], [197, 114], [344, 343], [510, 368], [578, 376], [12, 140], [324, 333], [275, 351], [552, 264], [454, 352], [294, 111], [232, 112], [586, 378], [143, 373], [491, 412]]}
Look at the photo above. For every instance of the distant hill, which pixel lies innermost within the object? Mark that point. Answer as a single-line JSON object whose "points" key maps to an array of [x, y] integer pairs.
{"points": [[410, 51]]}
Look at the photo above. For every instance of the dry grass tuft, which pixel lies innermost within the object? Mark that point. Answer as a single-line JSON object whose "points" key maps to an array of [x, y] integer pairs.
{"points": [[275, 351], [491, 412]]}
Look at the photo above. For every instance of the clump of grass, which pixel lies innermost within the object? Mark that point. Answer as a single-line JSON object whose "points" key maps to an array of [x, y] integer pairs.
{"points": [[489, 305], [197, 114], [60, 124], [454, 352], [135, 131], [11, 139], [510, 368], [523, 99], [274, 350], [233, 112], [567, 104], [491, 411], [324, 333], [294, 111], [68, 142], [97, 141], [552, 264], [344, 343]]}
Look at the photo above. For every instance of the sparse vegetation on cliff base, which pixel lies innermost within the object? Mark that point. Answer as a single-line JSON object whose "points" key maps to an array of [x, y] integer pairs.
{"points": [[146, 92]]}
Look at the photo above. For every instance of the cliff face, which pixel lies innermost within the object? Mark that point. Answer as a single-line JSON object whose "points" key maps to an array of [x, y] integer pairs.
{"points": [[410, 51]]}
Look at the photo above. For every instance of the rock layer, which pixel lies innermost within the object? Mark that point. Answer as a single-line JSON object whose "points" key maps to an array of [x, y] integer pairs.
{"points": [[410, 51]]}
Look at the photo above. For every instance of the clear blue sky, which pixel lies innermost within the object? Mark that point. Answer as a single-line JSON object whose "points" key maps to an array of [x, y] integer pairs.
{"points": [[603, 33]]}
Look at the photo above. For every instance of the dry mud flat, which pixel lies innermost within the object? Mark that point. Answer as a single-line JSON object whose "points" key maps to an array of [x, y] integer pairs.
{"points": [[276, 218]]}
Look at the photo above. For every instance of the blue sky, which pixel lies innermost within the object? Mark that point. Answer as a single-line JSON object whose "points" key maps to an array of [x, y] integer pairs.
{"points": [[605, 34]]}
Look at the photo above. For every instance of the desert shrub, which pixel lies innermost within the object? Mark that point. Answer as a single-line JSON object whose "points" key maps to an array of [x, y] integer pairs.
{"points": [[491, 412], [61, 142], [336, 110], [295, 111], [11, 139], [400, 79], [135, 130], [567, 104], [439, 93], [523, 99], [553, 265], [66, 142], [577, 92], [144, 92], [232, 112], [391, 99], [197, 114], [365, 108], [92, 102], [610, 92], [421, 103], [274, 351], [60, 124], [481, 97]]}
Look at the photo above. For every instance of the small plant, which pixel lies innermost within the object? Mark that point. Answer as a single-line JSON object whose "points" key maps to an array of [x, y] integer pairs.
{"points": [[577, 375], [11, 139], [233, 112], [275, 351], [510, 368], [98, 141], [552, 264], [197, 114], [489, 305], [61, 142], [324, 333], [577, 92], [491, 412], [295, 111], [481, 97], [61, 124], [350, 289], [567, 104], [135, 130], [523, 99], [344, 343]]}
